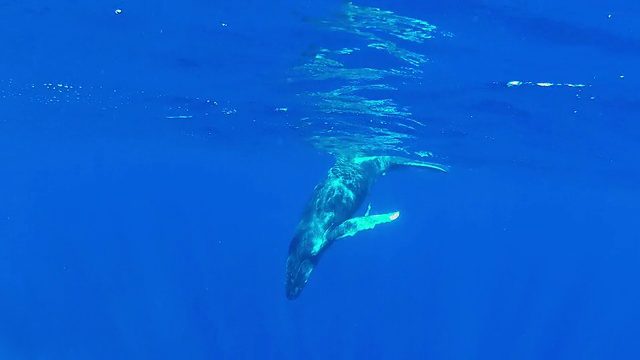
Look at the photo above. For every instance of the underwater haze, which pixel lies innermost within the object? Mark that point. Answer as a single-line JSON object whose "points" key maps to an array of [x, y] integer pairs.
{"points": [[156, 158]]}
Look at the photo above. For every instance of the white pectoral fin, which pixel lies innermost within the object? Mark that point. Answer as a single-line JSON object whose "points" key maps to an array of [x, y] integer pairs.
{"points": [[357, 224], [429, 165]]}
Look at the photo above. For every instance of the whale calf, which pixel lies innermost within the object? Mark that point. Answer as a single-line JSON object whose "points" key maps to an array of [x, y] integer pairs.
{"points": [[328, 216]]}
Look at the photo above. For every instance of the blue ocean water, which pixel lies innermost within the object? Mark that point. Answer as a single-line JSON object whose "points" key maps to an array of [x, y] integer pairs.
{"points": [[156, 161]]}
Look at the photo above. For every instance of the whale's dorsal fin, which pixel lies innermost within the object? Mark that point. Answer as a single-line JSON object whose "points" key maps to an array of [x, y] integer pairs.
{"points": [[355, 225], [368, 210]]}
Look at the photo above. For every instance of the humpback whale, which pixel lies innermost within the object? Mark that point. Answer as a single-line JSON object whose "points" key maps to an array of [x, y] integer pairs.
{"points": [[328, 216]]}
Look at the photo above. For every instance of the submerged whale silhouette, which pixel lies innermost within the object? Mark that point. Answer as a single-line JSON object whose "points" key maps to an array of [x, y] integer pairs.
{"points": [[328, 215]]}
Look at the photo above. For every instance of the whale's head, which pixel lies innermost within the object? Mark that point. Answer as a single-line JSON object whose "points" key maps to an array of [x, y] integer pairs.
{"points": [[302, 259], [298, 272]]}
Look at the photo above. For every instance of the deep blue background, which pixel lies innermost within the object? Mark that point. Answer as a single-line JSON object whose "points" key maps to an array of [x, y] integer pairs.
{"points": [[124, 234]]}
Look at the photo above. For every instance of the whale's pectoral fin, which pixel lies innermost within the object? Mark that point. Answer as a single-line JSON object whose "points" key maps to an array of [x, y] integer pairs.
{"points": [[416, 163], [357, 224]]}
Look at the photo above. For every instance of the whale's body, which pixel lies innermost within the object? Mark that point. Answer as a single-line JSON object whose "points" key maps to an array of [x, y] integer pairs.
{"points": [[329, 213]]}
